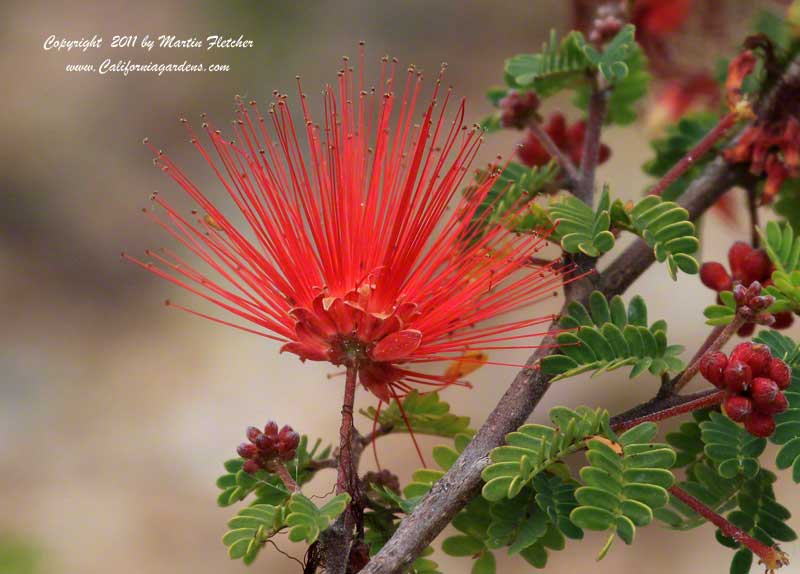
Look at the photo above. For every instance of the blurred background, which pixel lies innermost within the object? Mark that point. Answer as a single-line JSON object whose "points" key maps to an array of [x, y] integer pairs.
{"points": [[116, 412]]}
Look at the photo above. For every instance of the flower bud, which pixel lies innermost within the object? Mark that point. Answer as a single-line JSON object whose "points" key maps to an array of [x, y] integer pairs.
{"points": [[251, 466], [778, 405], [247, 450], [714, 276], [742, 352], [253, 433], [271, 429], [763, 393], [737, 376], [759, 361], [759, 424], [740, 294], [780, 373], [712, 367], [738, 407]]}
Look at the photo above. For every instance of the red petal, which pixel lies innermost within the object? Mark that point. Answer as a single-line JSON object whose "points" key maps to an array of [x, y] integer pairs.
{"points": [[397, 346]]}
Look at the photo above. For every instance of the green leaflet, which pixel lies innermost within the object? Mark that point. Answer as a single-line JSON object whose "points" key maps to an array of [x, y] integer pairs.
{"points": [[665, 226], [532, 448], [426, 413], [608, 336], [733, 449], [251, 528], [579, 228], [560, 64], [787, 424], [783, 248], [622, 491], [305, 520], [515, 187]]}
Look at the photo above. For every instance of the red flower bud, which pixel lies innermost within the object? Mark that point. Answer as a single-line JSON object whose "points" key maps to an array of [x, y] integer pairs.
{"points": [[714, 276], [780, 373], [253, 433], [516, 109], [712, 367], [737, 255], [247, 450], [760, 358], [759, 424], [738, 407], [740, 294], [742, 352], [251, 466], [737, 376], [271, 429], [267, 444], [778, 405], [763, 393], [783, 320], [756, 266]]}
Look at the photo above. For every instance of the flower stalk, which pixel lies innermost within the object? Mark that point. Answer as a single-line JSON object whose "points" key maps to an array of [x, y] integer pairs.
{"points": [[686, 405], [770, 556]]}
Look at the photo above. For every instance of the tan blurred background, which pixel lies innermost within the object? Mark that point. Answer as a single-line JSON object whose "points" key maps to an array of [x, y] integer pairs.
{"points": [[116, 413]]}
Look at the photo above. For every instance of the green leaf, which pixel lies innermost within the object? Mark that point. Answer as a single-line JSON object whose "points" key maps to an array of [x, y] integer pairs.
{"points": [[612, 62], [485, 564], [623, 490], [579, 228], [462, 545], [606, 338], [560, 64], [251, 528], [532, 448], [306, 521], [426, 413]]}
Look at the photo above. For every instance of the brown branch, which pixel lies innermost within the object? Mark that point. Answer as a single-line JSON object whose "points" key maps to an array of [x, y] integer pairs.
{"points": [[598, 102], [662, 408], [462, 482]]}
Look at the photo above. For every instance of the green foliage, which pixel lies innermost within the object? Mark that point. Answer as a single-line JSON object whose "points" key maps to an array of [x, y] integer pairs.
{"points": [[787, 204], [251, 528], [621, 106], [305, 520], [569, 63], [665, 226], [513, 190], [533, 448], [609, 337], [426, 413], [723, 473], [721, 313], [17, 556], [612, 62], [733, 450], [787, 423], [254, 525], [676, 143], [555, 495], [783, 248], [622, 491], [559, 65], [236, 484], [580, 229]]}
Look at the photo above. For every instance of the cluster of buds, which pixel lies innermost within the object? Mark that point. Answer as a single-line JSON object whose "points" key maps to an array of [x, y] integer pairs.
{"points": [[268, 446], [517, 109], [750, 268], [753, 381], [607, 23], [569, 139]]}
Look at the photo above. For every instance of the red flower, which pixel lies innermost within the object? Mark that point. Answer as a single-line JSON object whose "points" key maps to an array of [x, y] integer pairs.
{"points": [[350, 251], [656, 18], [567, 138]]}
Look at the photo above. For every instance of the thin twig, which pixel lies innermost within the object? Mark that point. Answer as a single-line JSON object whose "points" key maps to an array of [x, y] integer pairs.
{"points": [[752, 210], [659, 409], [561, 158], [598, 102]]}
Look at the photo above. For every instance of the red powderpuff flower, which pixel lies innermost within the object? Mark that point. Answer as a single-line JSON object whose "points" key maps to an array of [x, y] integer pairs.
{"points": [[568, 138], [350, 251]]}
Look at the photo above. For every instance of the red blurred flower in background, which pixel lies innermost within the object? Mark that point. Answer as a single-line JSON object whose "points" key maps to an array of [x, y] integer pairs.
{"points": [[349, 251], [568, 138]]}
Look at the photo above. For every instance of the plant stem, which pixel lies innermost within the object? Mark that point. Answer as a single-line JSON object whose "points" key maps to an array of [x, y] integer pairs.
{"points": [[752, 209], [703, 146], [345, 481], [770, 556], [714, 342], [278, 468], [591, 144], [561, 158], [661, 410]]}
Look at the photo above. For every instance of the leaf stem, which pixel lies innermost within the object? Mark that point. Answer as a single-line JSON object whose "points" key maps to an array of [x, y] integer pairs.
{"points": [[277, 467], [664, 409], [703, 146], [770, 556]]}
